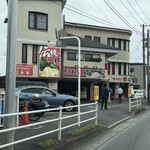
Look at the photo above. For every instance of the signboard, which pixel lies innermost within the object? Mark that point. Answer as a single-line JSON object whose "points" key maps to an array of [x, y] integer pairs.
{"points": [[129, 92], [24, 70], [50, 61], [85, 72], [96, 92]]}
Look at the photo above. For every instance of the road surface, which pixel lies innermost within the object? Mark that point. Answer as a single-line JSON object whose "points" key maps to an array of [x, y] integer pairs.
{"points": [[133, 134]]}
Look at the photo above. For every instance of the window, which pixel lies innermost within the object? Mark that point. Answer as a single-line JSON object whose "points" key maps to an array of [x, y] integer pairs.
{"points": [[128, 46], [113, 42], [92, 57], [124, 69], [124, 45], [97, 39], [108, 42], [113, 68], [131, 69], [119, 43], [134, 80], [24, 53], [88, 37], [34, 54], [119, 69], [109, 68], [30, 90], [38, 21], [74, 56]]}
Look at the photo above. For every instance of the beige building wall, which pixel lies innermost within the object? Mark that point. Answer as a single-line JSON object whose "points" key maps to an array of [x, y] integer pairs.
{"points": [[31, 37], [104, 34]]}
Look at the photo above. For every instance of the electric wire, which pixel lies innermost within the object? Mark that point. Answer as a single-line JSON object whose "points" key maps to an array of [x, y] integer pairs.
{"points": [[135, 11], [130, 12], [100, 9], [119, 15], [110, 23], [142, 10], [95, 18], [136, 48]]}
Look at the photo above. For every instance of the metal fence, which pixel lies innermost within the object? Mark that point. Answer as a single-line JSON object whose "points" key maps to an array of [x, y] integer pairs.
{"points": [[134, 103], [60, 118]]}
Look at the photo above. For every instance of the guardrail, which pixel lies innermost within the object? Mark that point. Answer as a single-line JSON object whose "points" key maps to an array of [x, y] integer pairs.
{"points": [[59, 119], [134, 102]]}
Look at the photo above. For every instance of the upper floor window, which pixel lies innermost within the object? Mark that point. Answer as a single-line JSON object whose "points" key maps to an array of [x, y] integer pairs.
{"points": [[92, 57], [119, 69], [131, 69], [113, 42], [124, 45], [134, 80], [108, 42], [125, 70], [38, 21], [113, 68], [97, 39], [88, 37], [119, 43], [34, 54], [74, 56], [24, 53]]}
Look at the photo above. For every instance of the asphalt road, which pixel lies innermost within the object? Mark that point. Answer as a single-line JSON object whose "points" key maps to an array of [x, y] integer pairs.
{"points": [[133, 134]]}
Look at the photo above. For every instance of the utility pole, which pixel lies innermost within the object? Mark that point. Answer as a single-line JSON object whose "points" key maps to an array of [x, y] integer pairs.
{"points": [[144, 74], [10, 85], [148, 66]]}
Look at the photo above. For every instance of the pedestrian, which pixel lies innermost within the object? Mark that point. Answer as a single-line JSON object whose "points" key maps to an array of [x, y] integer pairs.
{"points": [[104, 96], [120, 92]]}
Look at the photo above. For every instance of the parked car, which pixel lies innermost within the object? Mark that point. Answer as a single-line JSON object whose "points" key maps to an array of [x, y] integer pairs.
{"points": [[53, 98]]}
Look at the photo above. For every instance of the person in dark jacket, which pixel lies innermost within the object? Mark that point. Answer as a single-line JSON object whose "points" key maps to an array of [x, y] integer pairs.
{"points": [[104, 96]]}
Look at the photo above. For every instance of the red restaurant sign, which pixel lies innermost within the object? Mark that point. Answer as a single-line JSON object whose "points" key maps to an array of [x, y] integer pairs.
{"points": [[24, 70]]}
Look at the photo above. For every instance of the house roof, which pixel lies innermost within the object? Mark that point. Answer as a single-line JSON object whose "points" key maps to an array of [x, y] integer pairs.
{"points": [[98, 27], [87, 43]]}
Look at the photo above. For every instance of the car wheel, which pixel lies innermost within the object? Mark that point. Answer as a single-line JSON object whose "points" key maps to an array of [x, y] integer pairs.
{"points": [[67, 104]]}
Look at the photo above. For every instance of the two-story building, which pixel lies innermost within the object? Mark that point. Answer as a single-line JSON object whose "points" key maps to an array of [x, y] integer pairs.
{"points": [[104, 51]]}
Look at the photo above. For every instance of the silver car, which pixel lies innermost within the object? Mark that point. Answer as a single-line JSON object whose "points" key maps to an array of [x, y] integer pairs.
{"points": [[53, 98]]}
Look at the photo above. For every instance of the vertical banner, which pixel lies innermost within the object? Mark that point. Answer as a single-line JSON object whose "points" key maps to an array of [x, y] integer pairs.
{"points": [[50, 61], [129, 92], [96, 92]]}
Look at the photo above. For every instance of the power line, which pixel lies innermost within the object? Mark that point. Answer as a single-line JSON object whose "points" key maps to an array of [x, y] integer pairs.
{"points": [[100, 9], [129, 12], [142, 11], [135, 11], [123, 19], [136, 48]]}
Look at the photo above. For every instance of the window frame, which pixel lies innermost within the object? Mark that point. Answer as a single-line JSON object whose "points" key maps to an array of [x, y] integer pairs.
{"points": [[119, 43], [92, 58], [97, 39], [24, 53], [34, 54], [124, 69], [124, 45], [119, 68], [88, 37], [35, 20], [113, 68]]}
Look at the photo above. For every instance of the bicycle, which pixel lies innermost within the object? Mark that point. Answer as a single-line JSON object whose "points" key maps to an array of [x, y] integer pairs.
{"points": [[33, 105]]}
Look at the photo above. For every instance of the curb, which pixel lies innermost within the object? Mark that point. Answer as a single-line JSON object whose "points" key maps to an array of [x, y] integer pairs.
{"points": [[71, 142]]}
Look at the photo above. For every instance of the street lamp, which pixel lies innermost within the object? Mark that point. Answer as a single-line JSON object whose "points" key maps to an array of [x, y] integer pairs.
{"points": [[79, 66]]}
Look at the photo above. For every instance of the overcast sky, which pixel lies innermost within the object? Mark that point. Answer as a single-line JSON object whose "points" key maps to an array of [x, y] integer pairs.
{"points": [[125, 14]]}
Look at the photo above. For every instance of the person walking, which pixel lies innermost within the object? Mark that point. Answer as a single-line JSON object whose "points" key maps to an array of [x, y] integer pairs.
{"points": [[104, 96], [120, 92]]}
